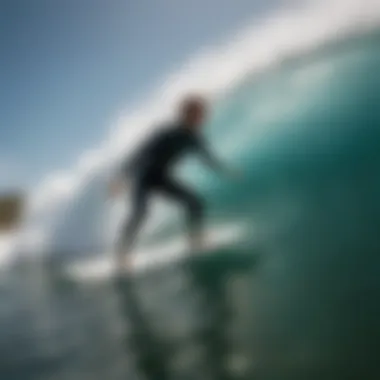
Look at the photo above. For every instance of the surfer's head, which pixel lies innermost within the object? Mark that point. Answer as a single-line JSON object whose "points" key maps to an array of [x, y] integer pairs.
{"points": [[193, 111]]}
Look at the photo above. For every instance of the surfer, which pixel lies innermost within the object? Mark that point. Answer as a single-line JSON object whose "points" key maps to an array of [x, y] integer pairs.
{"points": [[150, 169]]}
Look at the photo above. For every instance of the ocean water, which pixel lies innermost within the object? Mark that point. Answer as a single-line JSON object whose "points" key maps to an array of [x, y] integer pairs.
{"points": [[298, 299]]}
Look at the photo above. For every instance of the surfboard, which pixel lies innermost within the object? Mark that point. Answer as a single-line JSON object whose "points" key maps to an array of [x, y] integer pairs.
{"points": [[151, 258]]}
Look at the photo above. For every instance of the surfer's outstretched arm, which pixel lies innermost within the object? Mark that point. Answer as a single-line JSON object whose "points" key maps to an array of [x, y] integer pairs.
{"points": [[215, 163]]}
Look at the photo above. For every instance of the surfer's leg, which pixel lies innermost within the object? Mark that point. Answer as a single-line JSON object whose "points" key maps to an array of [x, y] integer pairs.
{"points": [[194, 209], [133, 224]]}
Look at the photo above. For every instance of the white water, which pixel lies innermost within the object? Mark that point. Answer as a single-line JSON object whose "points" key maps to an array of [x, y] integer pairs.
{"points": [[68, 209]]}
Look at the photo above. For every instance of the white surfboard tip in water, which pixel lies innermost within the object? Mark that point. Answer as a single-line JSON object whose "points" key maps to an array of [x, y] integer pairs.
{"points": [[152, 257]]}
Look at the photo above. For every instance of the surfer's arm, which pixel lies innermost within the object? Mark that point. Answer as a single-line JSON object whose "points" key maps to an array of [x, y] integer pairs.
{"points": [[210, 159], [129, 165], [122, 174], [141, 155], [118, 178]]}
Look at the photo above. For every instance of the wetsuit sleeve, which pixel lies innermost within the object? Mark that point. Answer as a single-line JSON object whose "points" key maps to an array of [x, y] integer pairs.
{"points": [[209, 158], [141, 155], [129, 165]]}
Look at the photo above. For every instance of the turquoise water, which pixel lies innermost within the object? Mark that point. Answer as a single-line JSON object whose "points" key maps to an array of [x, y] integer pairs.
{"points": [[303, 300]]}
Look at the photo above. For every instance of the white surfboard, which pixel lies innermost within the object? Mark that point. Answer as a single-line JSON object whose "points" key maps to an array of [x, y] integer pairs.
{"points": [[152, 257]]}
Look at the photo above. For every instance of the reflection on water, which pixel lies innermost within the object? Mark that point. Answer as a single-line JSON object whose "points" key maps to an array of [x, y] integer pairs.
{"points": [[175, 323]]}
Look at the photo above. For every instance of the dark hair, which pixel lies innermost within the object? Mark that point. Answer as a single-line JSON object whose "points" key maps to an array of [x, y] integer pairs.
{"points": [[192, 102]]}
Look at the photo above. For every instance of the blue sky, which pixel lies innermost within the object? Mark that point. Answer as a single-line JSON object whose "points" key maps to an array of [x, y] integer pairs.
{"points": [[68, 67]]}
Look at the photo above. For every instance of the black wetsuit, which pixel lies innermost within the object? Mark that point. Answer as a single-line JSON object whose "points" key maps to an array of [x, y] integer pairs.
{"points": [[151, 168]]}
